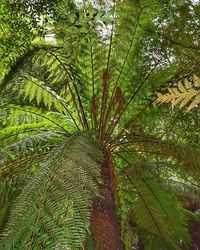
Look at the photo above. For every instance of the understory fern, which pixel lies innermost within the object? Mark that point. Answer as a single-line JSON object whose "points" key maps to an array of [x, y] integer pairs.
{"points": [[53, 210]]}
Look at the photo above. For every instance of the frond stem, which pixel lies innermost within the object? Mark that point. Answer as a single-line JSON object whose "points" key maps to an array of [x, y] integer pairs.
{"points": [[129, 124]]}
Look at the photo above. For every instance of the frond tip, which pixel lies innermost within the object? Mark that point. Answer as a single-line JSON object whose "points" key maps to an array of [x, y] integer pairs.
{"points": [[184, 94]]}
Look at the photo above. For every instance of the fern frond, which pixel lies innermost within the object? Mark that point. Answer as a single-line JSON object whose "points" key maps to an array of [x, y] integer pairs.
{"points": [[154, 210], [173, 232], [5, 110], [45, 59], [21, 154], [186, 191], [33, 89], [62, 66], [18, 62], [12, 133], [187, 156], [56, 201], [33, 141], [183, 94], [30, 114]]}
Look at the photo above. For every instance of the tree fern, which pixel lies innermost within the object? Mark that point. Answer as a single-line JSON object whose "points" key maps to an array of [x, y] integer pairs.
{"points": [[99, 75]]}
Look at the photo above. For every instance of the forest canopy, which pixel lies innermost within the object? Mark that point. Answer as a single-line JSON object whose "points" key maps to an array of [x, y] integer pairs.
{"points": [[100, 124]]}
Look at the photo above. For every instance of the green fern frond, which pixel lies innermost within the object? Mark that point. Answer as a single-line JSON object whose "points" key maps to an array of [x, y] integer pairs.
{"points": [[153, 210], [33, 89], [29, 114], [5, 111], [187, 156], [51, 65], [11, 133], [24, 153], [188, 191], [61, 183], [33, 142], [19, 61], [184, 94]]}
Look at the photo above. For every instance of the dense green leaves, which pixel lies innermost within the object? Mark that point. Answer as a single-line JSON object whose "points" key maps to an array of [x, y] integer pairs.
{"points": [[53, 210], [95, 66]]}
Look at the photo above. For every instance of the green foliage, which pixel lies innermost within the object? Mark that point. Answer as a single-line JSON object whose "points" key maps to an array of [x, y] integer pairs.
{"points": [[158, 213], [36, 90], [99, 74], [151, 209], [54, 208], [187, 156]]}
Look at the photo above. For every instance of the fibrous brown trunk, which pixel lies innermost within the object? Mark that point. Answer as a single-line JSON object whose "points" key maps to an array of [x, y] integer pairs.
{"points": [[105, 227]]}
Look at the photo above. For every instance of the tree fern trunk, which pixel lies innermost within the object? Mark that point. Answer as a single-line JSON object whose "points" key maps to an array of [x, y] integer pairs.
{"points": [[105, 226]]}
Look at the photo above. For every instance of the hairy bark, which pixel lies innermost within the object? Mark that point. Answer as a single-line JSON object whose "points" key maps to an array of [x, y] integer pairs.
{"points": [[105, 227]]}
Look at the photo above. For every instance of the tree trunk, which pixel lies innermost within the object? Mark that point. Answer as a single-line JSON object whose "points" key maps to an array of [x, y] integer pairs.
{"points": [[105, 227]]}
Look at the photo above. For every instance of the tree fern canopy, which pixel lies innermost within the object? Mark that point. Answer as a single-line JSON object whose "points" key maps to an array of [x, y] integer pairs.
{"points": [[88, 160]]}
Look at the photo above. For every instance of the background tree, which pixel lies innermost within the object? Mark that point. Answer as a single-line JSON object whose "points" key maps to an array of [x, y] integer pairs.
{"points": [[83, 148]]}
